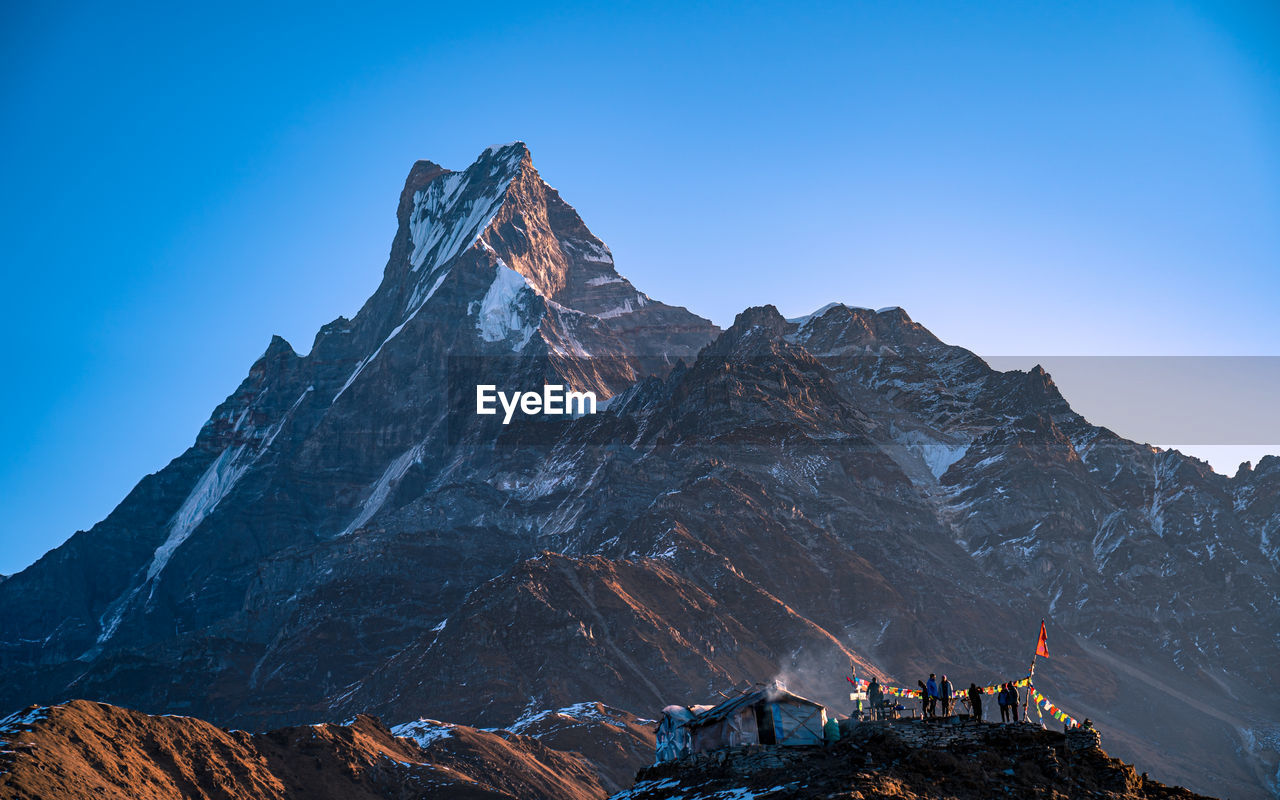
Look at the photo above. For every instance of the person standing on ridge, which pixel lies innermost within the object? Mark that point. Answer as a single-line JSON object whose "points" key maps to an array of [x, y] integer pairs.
{"points": [[1014, 699], [931, 689], [948, 694], [975, 701], [1003, 700], [875, 697]]}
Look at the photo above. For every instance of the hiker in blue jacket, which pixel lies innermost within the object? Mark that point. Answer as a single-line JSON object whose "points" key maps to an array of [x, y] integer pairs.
{"points": [[1003, 700], [931, 692]]}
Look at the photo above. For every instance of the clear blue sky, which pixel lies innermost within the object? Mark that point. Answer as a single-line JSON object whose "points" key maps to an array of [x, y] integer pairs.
{"points": [[1023, 178]]}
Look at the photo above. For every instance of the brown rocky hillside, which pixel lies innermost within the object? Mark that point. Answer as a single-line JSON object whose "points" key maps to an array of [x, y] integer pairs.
{"points": [[84, 749]]}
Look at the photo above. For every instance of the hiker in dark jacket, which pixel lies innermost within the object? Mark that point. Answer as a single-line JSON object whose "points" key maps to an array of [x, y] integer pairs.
{"points": [[1003, 700], [875, 697], [948, 694], [1014, 699], [931, 689], [975, 701]]}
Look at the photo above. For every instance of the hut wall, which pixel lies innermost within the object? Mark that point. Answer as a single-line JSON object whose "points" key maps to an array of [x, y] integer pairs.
{"points": [[798, 723]]}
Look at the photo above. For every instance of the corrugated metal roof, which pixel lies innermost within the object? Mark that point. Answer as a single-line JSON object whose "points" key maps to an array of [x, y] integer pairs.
{"points": [[735, 704]]}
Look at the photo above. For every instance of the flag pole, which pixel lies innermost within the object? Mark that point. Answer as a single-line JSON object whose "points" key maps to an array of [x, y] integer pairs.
{"points": [[1031, 687], [1042, 644]]}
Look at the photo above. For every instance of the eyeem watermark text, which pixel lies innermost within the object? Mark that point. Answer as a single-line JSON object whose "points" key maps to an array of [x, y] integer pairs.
{"points": [[553, 400]]}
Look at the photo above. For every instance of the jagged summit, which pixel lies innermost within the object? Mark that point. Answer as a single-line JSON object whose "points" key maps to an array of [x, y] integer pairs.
{"points": [[486, 262], [496, 244], [806, 317], [758, 325], [501, 204], [801, 320]]}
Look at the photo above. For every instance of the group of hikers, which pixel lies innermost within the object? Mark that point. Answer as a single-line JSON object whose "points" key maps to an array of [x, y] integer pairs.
{"points": [[934, 693]]}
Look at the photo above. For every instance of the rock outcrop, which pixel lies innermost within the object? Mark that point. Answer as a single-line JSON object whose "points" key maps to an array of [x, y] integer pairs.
{"points": [[909, 760]]}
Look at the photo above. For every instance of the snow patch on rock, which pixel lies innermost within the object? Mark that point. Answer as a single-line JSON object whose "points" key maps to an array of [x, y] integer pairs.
{"points": [[625, 308], [445, 221], [937, 453], [502, 312], [21, 719], [576, 713], [424, 732], [217, 481], [382, 487], [367, 360], [591, 251], [815, 314]]}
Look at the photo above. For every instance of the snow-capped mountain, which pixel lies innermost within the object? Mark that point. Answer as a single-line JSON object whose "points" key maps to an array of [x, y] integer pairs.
{"points": [[491, 274], [784, 497]]}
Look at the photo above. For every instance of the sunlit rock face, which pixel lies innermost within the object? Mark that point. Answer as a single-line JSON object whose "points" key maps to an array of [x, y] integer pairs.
{"points": [[81, 750], [780, 499]]}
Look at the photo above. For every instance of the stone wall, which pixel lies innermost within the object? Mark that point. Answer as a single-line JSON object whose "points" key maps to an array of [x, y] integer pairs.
{"points": [[1084, 739], [960, 731], [955, 734]]}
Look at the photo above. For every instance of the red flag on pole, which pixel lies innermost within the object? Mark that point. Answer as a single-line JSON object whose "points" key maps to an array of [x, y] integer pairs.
{"points": [[1042, 645]]}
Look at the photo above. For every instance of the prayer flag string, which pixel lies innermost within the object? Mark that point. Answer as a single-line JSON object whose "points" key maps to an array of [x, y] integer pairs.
{"points": [[1039, 699]]}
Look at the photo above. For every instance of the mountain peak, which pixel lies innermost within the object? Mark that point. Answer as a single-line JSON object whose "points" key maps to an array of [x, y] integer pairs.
{"points": [[470, 241], [766, 316], [516, 148], [813, 314], [755, 327], [420, 174], [893, 313], [278, 346], [500, 205], [504, 158]]}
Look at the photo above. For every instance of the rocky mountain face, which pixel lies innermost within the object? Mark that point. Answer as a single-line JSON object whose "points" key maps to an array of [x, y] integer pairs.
{"points": [[237, 559], [783, 498]]}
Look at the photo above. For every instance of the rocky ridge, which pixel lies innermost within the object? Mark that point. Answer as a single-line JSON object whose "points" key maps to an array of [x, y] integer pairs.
{"points": [[93, 750], [910, 759]]}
